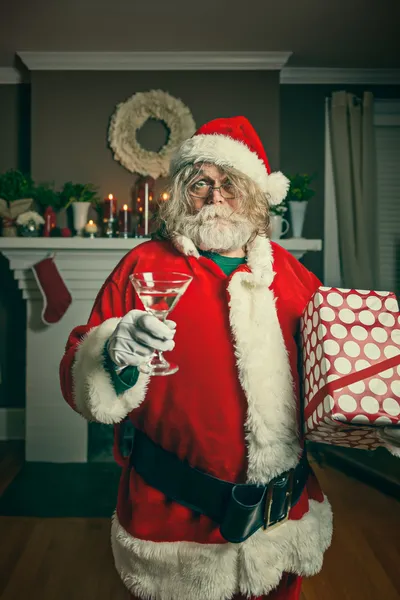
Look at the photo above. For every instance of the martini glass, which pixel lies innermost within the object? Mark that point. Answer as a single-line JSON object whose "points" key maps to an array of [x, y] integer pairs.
{"points": [[159, 292]]}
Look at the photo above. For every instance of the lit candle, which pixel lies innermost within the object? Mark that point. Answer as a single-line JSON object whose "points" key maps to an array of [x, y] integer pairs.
{"points": [[165, 196], [109, 207], [125, 221], [146, 209], [91, 228]]}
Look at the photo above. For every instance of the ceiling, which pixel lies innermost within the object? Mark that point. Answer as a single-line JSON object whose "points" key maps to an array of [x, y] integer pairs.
{"points": [[319, 33]]}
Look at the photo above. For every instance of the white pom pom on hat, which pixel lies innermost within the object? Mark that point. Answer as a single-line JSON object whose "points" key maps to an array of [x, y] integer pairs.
{"points": [[233, 142]]}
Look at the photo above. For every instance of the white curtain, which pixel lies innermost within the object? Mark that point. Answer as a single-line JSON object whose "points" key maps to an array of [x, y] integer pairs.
{"points": [[351, 126], [332, 274]]}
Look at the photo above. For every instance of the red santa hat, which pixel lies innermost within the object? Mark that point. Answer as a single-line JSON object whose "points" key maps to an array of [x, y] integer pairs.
{"points": [[233, 142]]}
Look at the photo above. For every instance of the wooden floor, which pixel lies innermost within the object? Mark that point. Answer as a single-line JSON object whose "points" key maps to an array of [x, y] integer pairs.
{"points": [[70, 559]]}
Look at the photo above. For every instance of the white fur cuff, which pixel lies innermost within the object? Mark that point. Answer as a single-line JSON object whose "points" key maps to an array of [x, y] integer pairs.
{"points": [[94, 394]]}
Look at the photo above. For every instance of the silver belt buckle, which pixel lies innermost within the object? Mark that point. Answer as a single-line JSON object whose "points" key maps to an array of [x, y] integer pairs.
{"points": [[268, 504]]}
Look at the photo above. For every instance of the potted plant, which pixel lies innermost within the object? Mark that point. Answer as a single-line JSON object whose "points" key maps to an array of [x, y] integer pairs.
{"points": [[298, 196], [46, 196], [81, 197], [278, 224], [15, 198]]}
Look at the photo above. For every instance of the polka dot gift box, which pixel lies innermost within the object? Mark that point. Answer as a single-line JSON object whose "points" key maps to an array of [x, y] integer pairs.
{"points": [[351, 366]]}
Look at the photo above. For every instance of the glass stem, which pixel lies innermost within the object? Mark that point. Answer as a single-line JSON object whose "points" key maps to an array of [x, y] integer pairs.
{"points": [[158, 358]]}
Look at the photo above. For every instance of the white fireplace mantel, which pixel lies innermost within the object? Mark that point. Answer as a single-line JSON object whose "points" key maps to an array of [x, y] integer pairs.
{"points": [[54, 432]]}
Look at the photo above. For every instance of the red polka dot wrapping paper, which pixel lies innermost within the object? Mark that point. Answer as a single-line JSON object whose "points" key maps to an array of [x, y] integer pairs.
{"points": [[351, 366]]}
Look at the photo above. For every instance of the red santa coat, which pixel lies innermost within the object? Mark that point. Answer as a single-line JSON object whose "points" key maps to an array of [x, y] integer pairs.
{"points": [[232, 410]]}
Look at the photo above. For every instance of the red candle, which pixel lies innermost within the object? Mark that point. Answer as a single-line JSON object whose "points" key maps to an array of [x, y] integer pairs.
{"points": [[110, 207], [125, 222], [49, 221]]}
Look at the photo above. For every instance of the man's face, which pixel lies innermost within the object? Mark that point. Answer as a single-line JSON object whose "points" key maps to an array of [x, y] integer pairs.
{"points": [[215, 222]]}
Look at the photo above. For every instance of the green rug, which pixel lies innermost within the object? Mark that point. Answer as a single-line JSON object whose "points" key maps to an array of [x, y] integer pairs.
{"points": [[62, 490]]}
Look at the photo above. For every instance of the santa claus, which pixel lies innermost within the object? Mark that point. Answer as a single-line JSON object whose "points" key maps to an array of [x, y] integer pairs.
{"points": [[216, 499]]}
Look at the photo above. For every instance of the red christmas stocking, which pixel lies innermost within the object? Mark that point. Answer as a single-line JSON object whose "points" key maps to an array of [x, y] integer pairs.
{"points": [[56, 296]]}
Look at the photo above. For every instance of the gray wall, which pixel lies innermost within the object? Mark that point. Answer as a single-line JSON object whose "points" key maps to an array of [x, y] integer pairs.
{"points": [[71, 112], [14, 127], [8, 127]]}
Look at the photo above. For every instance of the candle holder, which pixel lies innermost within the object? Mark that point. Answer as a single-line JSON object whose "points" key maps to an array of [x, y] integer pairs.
{"points": [[91, 229], [110, 228]]}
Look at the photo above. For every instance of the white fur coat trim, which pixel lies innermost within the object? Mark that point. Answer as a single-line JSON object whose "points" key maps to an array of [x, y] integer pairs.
{"points": [[263, 364], [264, 373], [94, 393], [271, 427], [191, 571], [223, 151]]}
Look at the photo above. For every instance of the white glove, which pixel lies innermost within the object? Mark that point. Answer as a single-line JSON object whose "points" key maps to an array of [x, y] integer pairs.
{"points": [[136, 337]]}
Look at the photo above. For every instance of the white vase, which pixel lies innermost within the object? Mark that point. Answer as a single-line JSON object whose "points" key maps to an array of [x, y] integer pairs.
{"points": [[279, 226], [80, 212], [297, 214]]}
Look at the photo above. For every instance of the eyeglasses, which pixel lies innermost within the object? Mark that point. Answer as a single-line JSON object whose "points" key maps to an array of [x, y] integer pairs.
{"points": [[202, 189]]}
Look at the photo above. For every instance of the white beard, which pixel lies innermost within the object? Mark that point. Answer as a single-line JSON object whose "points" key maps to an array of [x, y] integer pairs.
{"points": [[216, 228]]}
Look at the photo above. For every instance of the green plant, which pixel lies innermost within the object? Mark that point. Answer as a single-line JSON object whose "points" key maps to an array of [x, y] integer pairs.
{"points": [[15, 185], [299, 190], [45, 195], [78, 192], [278, 209]]}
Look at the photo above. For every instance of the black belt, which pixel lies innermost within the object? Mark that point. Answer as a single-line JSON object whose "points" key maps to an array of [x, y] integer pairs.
{"points": [[240, 509]]}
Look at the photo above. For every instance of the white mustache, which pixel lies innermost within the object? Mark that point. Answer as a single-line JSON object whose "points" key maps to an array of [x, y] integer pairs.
{"points": [[213, 211], [216, 227]]}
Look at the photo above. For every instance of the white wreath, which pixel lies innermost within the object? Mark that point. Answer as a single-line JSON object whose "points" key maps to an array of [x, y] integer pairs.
{"points": [[131, 116]]}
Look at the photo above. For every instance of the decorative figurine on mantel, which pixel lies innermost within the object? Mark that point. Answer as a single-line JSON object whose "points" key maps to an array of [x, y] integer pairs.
{"points": [[29, 224]]}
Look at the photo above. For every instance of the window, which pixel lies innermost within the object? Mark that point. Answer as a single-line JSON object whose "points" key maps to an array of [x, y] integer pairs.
{"points": [[387, 126]]}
